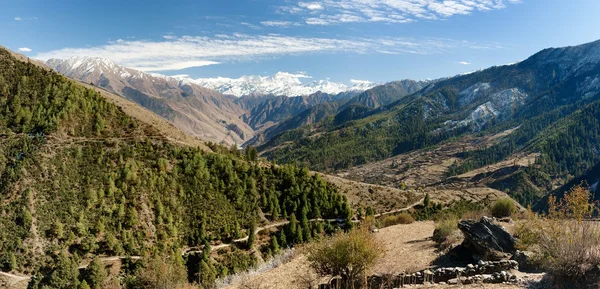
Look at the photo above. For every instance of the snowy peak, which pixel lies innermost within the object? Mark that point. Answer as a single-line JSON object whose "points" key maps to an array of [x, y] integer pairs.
{"points": [[281, 83], [82, 67]]}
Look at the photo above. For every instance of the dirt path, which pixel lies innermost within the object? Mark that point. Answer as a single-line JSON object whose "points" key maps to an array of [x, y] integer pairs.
{"points": [[192, 250], [13, 280], [110, 259]]}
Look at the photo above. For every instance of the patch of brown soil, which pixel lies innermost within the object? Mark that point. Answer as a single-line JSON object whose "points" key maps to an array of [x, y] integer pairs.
{"points": [[406, 248]]}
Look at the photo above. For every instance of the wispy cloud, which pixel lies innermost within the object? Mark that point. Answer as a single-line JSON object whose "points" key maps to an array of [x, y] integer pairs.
{"points": [[276, 23], [25, 49], [325, 12], [25, 18], [250, 25], [192, 51], [463, 63]]}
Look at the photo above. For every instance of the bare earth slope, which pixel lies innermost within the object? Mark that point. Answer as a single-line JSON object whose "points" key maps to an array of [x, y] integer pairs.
{"points": [[196, 110]]}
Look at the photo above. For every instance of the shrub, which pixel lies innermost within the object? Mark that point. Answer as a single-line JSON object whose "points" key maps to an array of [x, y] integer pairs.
{"points": [[503, 208], [405, 218], [444, 229], [346, 255], [402, 218]]}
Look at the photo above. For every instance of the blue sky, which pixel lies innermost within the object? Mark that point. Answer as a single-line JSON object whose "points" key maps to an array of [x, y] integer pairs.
{"points": [[376, 40]]}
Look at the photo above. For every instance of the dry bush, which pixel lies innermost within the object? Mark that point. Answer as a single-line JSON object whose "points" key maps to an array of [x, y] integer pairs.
{"points": [[503, 208], [402, 218], [568, 244], [347, 255]]}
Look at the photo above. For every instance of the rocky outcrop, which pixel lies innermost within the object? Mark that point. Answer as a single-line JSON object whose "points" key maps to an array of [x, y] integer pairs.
{"points": [[487, 241]]}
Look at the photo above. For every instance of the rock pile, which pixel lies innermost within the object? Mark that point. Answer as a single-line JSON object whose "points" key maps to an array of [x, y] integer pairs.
{"points": [[482, 272]]}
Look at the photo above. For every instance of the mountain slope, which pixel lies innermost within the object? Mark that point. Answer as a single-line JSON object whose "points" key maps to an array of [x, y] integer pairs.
{"points": [[544, 96], [80, 178], [387, 93], [196, 110], [276, 109]]}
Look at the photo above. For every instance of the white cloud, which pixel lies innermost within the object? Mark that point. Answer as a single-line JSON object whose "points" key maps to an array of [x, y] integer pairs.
{"points": [[192, 51], [168, 36], [276, 23], [463, 63], [18, 18], [357, 81], [325, 12], [25, 49], [311, 5]]}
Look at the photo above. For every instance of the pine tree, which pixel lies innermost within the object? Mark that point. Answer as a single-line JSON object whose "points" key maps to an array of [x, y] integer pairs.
{"points": [[96, 274], [206, 275], [65, 275], [251, 233], [274, 245]]}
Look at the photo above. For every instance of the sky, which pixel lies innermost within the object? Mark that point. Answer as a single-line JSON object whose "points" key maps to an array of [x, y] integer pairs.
{"points": [[340, 40]]}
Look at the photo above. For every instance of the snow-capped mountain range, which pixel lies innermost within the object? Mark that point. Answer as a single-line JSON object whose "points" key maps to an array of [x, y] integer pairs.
{"points": [[281, 83]]}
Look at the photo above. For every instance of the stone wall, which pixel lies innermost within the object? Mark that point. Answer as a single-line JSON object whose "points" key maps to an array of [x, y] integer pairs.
{"points": [[482, 272]]}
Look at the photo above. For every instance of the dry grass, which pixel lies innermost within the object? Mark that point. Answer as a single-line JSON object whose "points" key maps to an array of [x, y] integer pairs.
{"points": [[380, 198], [567, 243], [445, 232]]}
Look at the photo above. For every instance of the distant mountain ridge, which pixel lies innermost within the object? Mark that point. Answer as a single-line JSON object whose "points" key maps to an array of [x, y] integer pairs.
{"points": [[205, 112]]}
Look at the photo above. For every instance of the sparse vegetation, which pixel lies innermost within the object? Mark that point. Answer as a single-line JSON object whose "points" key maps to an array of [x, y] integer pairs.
{"points": [[445, 230], [567, 243]]}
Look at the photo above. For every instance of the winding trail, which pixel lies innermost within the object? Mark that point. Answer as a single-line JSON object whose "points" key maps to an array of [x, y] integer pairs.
{"points": [[14, 279], [198, 249]]}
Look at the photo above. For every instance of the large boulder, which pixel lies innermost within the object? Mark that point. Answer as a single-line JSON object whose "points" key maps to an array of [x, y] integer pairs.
{"points": [[486, 241]]}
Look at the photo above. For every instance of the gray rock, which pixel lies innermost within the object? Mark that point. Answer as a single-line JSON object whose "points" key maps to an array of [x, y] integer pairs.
{"points": [[525, 260], [486, 240]]}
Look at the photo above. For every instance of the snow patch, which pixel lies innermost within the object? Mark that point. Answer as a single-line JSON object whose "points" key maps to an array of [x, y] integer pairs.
{"points": [[589, 87], [471, 93], [501, 104]]}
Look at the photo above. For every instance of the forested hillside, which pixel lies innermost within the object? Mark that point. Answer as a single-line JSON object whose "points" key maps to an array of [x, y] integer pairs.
{"points": [[80, 178]]}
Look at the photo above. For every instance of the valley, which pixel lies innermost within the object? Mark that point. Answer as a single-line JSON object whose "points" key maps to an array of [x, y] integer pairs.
{"points": [[187, 181]]}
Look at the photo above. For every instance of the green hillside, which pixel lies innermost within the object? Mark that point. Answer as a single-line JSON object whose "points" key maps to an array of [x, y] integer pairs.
{"points": [[80, 178]]}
